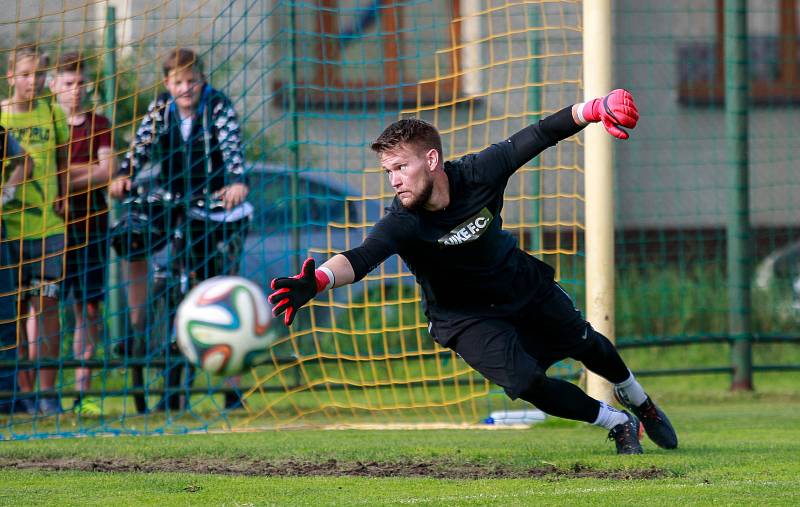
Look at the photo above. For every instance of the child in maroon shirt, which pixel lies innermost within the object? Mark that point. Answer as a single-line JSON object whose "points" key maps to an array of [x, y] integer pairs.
{"points": [[91, 163]]}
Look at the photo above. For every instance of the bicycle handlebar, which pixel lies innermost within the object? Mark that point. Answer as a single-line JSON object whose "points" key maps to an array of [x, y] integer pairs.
{"points": [[143, 196]]}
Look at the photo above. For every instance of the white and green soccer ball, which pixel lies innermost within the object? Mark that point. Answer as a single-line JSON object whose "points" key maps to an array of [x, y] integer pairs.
{"points": [[222, 325]]}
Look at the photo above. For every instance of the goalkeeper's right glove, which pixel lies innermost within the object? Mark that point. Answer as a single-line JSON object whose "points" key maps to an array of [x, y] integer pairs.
{"points": [[615, 110], [291, 293]]}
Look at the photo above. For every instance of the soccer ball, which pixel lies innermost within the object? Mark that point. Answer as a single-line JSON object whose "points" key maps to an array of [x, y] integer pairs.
{"points": [[222, 325]]}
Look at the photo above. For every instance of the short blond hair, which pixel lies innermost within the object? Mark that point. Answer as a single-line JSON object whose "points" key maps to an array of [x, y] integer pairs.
{"points": [[180, 59], [27, 50]]}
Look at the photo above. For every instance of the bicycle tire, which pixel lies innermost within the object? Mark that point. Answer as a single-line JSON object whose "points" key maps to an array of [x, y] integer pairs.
{"points": [[148, 373]]}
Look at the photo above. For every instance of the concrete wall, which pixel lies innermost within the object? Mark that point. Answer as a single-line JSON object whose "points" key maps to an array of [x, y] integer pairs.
{"points": [[673, 172], [670, 174]]}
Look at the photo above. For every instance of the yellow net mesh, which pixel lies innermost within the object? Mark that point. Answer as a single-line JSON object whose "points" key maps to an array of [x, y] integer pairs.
{"points": [[312, 84], [373, 359]]}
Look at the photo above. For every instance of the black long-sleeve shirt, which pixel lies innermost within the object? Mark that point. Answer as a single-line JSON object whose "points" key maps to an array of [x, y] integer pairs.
{"points": [[466, 264]]}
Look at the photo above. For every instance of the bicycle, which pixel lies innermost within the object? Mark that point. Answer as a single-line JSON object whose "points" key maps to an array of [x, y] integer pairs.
{"points": [[158, 366]]}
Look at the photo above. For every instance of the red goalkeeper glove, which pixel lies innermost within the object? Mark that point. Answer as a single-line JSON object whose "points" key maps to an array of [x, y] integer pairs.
{"points": [[615, 110], [291, 293]]}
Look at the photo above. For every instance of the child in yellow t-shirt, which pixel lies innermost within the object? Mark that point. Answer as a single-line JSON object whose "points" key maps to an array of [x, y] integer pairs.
{"points": [[33, 222]]}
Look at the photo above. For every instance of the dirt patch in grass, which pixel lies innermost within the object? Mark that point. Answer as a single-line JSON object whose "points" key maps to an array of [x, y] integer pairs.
{"points": [[331, 468]]}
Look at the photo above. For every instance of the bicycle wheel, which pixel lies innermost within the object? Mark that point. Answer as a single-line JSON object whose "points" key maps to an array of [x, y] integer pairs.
{"points": [[150, 347], [174, 377]]}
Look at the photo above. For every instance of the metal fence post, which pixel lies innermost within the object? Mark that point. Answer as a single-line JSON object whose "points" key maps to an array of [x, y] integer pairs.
{"points": [[738, 237], [109, 108]]}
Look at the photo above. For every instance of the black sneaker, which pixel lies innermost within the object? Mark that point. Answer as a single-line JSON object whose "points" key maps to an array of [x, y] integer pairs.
{"points": [[627, 435], [233, 401], [50, 406], [654, 420], [172, 401]]}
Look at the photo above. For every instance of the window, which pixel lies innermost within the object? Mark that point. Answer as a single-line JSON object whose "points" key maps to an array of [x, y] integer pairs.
{"points": [[350, 55], [773, 61]]}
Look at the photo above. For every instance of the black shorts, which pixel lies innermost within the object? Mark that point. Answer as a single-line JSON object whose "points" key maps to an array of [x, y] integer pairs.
{"points": [[87, 259], [510, 351], [9, 291]]}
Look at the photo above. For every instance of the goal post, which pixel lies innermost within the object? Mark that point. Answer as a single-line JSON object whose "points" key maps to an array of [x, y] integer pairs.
{"points": [[599, 167]]}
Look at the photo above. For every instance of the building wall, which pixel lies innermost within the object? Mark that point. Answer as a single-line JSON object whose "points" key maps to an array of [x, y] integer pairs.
{"points": [[671, 174]]}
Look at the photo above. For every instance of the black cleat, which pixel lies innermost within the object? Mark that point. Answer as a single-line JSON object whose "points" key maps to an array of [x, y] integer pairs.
{"points": [[627, 435], [233, 401], [654, 420]]}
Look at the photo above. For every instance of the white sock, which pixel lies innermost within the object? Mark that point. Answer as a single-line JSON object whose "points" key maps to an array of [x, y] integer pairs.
{"points": [[631, 391], [609, 416]]}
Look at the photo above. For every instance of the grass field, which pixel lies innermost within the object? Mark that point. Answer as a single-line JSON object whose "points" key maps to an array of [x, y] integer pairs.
{"points": [[735, 449]]}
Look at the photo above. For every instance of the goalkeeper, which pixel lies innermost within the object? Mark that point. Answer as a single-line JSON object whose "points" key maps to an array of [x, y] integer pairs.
{"points": [[496, 306]]}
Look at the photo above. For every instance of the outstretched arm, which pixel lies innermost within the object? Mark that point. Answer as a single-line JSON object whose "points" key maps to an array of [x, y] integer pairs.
{"points": [[616, 111], [291, 293], [341, 269]]}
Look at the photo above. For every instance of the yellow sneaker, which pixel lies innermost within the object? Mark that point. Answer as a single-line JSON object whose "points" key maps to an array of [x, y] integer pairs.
{"points": [[87, 406]]}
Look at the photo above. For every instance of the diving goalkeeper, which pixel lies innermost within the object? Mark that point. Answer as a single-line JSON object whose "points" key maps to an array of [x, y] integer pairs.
{"points": [[496, 306]]}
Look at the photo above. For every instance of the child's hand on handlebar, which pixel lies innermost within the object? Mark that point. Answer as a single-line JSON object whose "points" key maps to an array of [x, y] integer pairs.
{"points": [[119, 187], [232, 195]]}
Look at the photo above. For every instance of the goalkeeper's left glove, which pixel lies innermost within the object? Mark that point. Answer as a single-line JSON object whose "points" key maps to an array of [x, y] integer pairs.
{"points": [[615, 110], [291, 293]]}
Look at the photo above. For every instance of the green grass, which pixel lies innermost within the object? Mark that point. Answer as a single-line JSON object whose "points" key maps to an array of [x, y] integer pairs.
{"points": [[432, 402], [651, 303], [736, 449]]}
